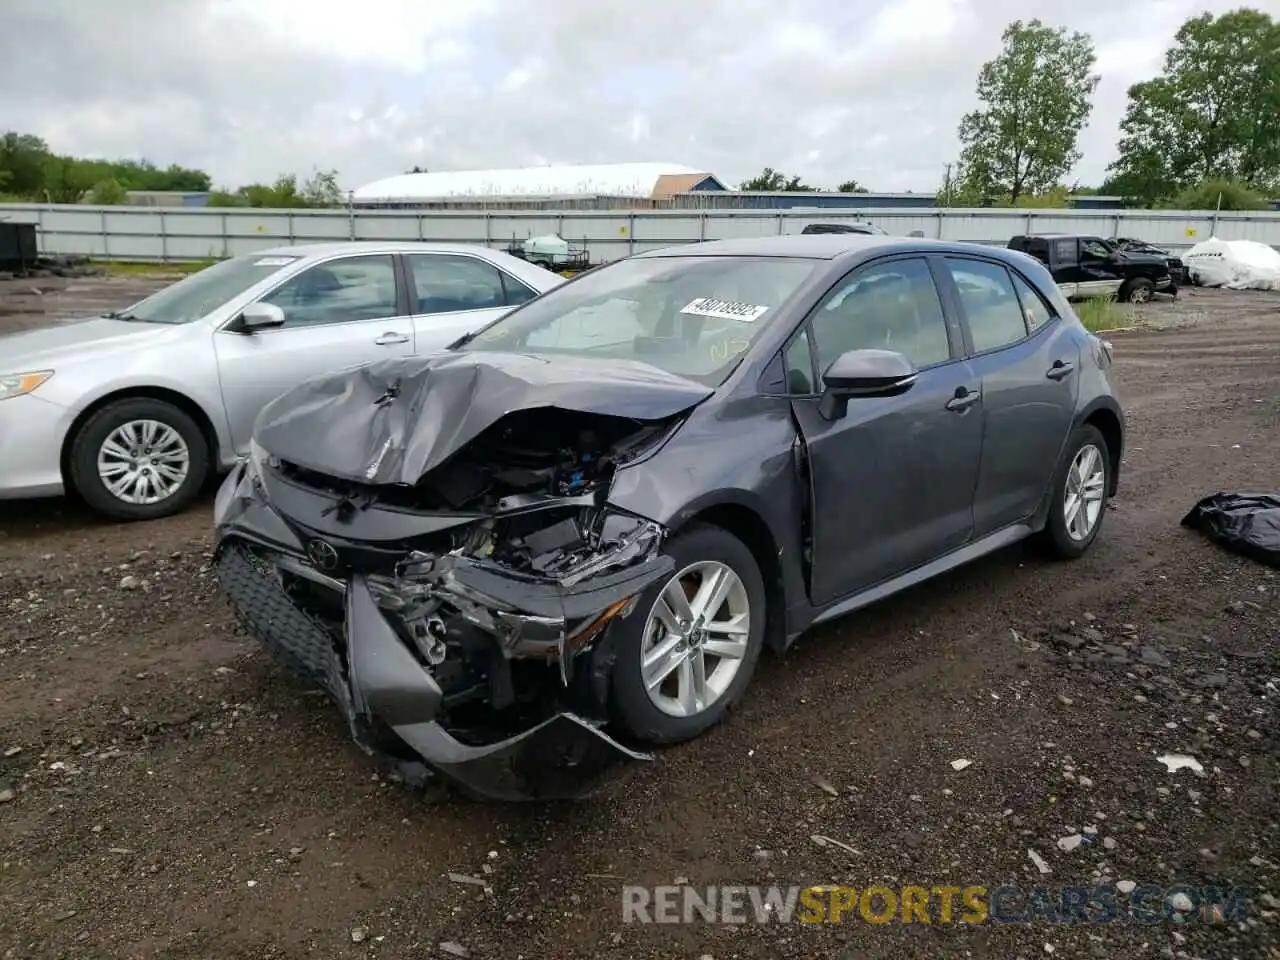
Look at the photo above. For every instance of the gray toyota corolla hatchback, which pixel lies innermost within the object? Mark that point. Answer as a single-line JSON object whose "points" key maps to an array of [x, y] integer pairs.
{"points": [[519, 562]]}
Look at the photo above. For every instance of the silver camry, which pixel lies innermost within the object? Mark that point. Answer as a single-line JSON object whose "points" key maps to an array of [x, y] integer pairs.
{"points": [[135, 409]]}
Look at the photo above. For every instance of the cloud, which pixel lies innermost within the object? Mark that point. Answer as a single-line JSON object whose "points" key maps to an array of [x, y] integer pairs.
{"points": [[870, 90]]}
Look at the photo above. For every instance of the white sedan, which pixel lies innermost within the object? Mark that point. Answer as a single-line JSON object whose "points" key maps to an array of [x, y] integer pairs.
{"points": [[135, 409]]}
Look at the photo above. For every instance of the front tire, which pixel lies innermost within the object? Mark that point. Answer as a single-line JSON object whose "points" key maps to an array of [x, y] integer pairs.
{"points": [[1079, 497], [139, 459], [688, 651], [1138, 290]]}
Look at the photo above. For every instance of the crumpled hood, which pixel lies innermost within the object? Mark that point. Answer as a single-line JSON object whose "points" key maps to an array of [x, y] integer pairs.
{"points": [[68, 339], [394, 421]]}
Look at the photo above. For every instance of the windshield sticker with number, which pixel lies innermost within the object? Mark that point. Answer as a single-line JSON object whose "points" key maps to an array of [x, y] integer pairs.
{"points": [[274, 261], [724, 309]]}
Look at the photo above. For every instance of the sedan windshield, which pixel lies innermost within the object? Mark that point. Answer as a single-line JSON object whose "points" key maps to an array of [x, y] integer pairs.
{"points": [[692, 316], [195, 296]]}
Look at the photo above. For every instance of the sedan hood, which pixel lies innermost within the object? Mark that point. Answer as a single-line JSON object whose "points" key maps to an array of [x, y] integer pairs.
{"points": [[394, 421], [69, 338]]}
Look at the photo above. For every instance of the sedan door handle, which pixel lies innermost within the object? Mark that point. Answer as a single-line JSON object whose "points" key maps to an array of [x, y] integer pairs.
{"points": [[391, 337], [963, 400], [1060, 370]]}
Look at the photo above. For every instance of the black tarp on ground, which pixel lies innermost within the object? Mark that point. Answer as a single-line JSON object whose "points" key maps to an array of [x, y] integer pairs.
{"points": [[1246, 523]]}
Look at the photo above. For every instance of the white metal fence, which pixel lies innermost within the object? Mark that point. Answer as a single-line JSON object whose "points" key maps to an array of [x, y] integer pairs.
{"points": [[133, 233]]}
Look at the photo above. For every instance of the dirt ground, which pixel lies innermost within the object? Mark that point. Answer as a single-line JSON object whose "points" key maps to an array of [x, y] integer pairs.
{"points": [[166, 792]]}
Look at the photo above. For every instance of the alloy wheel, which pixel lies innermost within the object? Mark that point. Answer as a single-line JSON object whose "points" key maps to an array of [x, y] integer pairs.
{"points": [[1085, 492], [143, 462], [695, 638]]}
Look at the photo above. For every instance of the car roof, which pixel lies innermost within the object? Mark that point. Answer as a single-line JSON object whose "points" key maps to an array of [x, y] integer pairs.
{"points": [[825, 246], [362, 246]]}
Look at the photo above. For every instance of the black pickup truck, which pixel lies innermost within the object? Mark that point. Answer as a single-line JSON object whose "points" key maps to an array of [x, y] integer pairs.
{"points": [[1088, 266]]}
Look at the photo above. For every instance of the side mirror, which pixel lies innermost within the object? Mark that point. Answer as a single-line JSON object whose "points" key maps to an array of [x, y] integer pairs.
{"points": [[260, 316], [862, 374]]}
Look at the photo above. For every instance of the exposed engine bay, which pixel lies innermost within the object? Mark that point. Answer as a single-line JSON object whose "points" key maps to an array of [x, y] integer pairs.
{"points": [[431, 540], [500, 604], [539, 476]]}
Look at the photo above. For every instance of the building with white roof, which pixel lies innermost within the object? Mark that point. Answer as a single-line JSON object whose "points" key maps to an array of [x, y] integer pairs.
{"points": [[601, 186]]}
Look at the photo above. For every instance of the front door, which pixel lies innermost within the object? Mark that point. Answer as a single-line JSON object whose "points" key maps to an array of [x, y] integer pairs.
{"points": [[892, 480], [1100, 275], [455, 294], [1028, 363], [339, 313]]}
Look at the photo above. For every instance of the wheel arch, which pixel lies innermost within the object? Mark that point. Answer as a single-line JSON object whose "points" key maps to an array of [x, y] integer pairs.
{"points": [[1104, 415], [164, 394], [736, 516]]}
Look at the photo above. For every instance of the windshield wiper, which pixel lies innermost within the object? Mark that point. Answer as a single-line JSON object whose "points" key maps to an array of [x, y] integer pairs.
{"points": [[117, 315], [463, 340]]}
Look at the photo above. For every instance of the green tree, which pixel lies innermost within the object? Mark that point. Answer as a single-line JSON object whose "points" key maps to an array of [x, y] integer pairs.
{"points": [[852, 186], [1219, 194], [66, 179], [1210, 115], [22, 163], [770, 180], [322, 190], [1036, 98], [109, 192], [959, 189]]}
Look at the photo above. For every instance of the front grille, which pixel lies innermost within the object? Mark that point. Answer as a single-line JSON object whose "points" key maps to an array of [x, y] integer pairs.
{"points": [[292, 637]]}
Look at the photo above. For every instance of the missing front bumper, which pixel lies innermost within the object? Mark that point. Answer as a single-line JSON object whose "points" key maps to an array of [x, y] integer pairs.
{"points": [[376, 680]]}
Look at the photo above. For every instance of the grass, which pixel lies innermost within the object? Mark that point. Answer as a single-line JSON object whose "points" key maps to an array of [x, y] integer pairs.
{"points": [[1102, 313], [133, 268]]}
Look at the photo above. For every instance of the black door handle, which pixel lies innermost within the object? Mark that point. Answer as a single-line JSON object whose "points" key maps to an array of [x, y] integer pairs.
{"points": [[963, 400], [1060, 369]]}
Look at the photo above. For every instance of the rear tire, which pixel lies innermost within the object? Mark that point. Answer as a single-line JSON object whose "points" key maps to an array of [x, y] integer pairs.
{"points": [[1085, 472], [112, 445], [704, 556]]}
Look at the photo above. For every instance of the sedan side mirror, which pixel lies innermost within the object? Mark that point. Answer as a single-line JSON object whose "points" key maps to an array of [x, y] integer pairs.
{"points": [[862, 374], [260, 316]]}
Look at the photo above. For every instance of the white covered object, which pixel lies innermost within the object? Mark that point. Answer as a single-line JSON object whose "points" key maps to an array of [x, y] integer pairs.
{"points": [[1235, 264], [638, 180]]}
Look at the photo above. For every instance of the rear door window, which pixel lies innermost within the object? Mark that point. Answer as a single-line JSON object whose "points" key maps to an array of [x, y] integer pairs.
{"points": [[990, 303], [1064, 251], [1035, 308], [447, 283]]}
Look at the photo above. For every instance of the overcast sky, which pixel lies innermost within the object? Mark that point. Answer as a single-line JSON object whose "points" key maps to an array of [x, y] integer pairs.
{"points": [[868, 89]]}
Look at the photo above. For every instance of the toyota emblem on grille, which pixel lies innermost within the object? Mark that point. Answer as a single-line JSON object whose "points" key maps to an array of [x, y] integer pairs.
{"points": [[322, 555]]}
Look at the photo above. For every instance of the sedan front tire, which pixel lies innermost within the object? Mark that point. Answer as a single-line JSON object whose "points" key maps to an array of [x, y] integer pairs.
{"points": [[139, 459]]}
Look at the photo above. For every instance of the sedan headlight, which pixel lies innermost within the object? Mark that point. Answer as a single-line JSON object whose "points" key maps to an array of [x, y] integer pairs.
{"points": [[17, 384]]}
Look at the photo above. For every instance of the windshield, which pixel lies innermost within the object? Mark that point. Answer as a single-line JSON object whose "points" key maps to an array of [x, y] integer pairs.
{"points": [[692, 316], [195, 296]]}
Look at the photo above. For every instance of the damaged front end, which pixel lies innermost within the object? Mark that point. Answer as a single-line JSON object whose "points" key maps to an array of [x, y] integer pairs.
{"points": [[460, 623]]}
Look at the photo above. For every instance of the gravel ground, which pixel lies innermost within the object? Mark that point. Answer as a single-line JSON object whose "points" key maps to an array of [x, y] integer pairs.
{"points": [[166, 792]]}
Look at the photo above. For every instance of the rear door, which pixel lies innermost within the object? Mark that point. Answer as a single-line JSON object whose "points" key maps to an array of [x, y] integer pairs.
{"points": [[454, 294], [337, 313], [1064, 264], [1027, 361], [892, 480]]}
